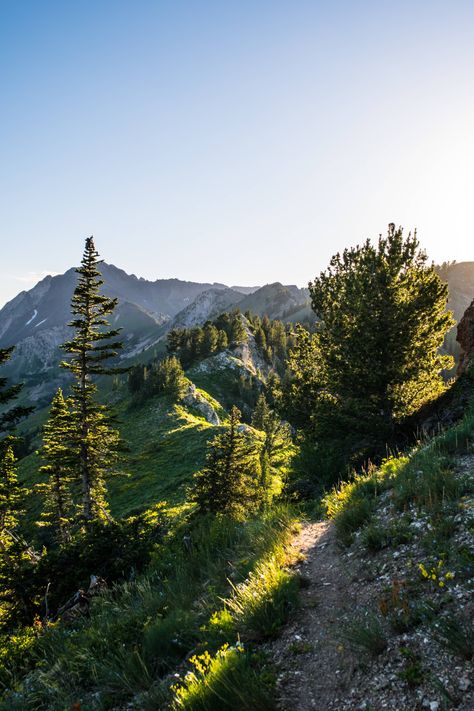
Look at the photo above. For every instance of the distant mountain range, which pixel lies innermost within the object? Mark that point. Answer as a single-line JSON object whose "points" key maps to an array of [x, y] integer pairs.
{"points": [[35, 321]]}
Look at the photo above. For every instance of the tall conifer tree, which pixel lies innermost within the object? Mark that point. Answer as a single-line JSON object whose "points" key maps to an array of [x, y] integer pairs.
{"points": [[229, 481], [11, 495], [57, 453], [93, 344]]}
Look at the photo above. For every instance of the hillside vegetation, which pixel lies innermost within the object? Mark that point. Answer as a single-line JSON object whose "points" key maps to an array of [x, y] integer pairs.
{"points": [[216, 522]]}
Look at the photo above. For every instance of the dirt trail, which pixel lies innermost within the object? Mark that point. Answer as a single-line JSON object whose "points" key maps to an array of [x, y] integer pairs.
{"points": [[311, 673]]}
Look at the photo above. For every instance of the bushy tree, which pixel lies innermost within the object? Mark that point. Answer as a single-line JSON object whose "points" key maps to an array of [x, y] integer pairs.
{"points": [[92, 345], [238, 333], [229, 482], [168, 378], [222, 340], [277, 434], [58, 454], [375, 358]]}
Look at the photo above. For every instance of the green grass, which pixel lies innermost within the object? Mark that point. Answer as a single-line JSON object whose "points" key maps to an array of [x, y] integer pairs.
{"points": [[230, 679], [366, 635], [166, 445], [141, 631], [424, 480], [456, 634], [261, 605]]}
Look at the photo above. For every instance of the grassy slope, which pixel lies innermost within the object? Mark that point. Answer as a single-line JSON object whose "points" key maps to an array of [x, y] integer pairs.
{"points": [[411, 521], [149, 627], [166, 444]]}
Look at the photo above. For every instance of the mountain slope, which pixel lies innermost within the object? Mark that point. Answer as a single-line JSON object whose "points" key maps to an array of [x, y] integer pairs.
{"points": [[387, 609], [274, 300], [205, 307]]}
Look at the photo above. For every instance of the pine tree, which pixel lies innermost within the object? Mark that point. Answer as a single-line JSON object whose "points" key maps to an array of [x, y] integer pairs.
{"points": [[222, 340], [10, 492], [92, 345], [57, 452], [260, 413], [229, 482], [9, 417], [375, 359], [11, 495], [238, 332], [276, 435], [211, 337], [260, 338]]}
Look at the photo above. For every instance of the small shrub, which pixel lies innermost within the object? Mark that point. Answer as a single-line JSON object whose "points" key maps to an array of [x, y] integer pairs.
{"points": [[413, 672], [351, 505], [350, 519], [457, 635], [367, 635], [167, 640], [374, 537]]}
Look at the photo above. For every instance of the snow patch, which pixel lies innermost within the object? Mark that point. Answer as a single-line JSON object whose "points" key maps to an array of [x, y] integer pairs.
{"points": [[39, 324], [35, 314]]}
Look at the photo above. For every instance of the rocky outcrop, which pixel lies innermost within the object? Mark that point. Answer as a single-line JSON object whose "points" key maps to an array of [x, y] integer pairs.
{"points": [[465, 338], [193, 398], [206, 307]]}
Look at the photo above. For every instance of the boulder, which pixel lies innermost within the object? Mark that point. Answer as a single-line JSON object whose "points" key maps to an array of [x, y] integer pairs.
{"points": [[193, 398], [465, 338]]}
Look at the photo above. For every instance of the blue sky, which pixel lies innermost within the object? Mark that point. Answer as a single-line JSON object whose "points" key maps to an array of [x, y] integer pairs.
{"points": [[242, 142]]}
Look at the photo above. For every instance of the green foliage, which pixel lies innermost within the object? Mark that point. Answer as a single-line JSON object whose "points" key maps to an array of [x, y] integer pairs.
{"points": [[230, 680], [352, 503], [229, 483], [113, 551], [261, 605], [16, 655], [413, 672], [367, 635], [193, 344], [155, 621], [277, 435], [11, 493], [58, 510], [92, 345], [375, 536], [9, 416], [457, 635], [380, 305], [163, 377]]}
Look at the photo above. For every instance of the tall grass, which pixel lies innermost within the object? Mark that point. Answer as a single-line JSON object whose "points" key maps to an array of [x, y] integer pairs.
{"points": [[139, 632], [425, 480]]}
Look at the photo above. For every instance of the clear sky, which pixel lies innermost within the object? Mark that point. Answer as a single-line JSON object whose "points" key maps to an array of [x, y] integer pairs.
{"points": [[236, 141]]}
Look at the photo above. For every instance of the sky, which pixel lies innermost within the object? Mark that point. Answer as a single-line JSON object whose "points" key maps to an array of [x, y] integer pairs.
{"points": [[241, 141]]}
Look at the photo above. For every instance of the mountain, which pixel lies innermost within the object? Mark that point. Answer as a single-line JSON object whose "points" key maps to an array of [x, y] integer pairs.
{"points": [[208, 305], [35, 321], [275, 300], [47, 305]]}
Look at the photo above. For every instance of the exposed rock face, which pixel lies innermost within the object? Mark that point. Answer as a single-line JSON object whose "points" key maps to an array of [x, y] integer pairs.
{"points": [[465, 338], [194, 399], [207, 306]]}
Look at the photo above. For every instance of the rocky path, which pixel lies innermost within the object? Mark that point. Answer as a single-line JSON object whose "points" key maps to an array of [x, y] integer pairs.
{"points": [[308, 655], [317, 670]]}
